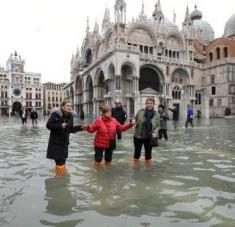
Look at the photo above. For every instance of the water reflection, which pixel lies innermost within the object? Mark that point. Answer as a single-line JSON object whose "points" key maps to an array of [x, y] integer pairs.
{"points": [[60, 201]]}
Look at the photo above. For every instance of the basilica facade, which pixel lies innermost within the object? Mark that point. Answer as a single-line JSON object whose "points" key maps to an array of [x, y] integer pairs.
{"points": [[152, 57]]}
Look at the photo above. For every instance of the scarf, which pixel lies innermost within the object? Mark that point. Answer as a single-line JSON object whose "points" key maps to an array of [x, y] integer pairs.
{"points": [[149, 114]]}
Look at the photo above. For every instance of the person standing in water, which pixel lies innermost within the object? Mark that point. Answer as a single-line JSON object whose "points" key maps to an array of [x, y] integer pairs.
{"points": [[163, 122], [175, 116], [189, 116], [147, 123], [105, 127], [23, 116], [34, 117], [120, 115], [60, 124]]}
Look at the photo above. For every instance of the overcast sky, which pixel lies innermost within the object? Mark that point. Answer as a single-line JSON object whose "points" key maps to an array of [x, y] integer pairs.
{"points": [[47, 32]]}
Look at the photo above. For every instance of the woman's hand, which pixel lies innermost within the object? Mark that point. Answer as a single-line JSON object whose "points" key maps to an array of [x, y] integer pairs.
{"points": [[133, 121], [154, 135], [64, 125]]}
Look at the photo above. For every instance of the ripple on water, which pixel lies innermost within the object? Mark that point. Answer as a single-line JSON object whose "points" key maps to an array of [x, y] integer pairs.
{"points": [[224, 178]]}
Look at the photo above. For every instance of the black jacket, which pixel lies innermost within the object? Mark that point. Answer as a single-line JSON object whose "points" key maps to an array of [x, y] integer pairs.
{"points": [[119, 114], [33, 115], [59, 137], [175, 114]]}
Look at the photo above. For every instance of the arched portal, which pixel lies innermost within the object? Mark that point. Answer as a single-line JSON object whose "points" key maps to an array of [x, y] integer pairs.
{"points": [[150, 77], [72, 95], [16, 108], [79, 94], [89, 88], [100, 83]]}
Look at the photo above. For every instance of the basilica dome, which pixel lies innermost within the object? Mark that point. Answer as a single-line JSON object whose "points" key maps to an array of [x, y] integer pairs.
{"points": [[200, 29], [230, 26], [165, 26]]}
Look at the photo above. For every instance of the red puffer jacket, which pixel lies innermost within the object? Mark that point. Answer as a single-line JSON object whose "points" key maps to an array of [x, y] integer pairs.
{"points": [[106, 130]]}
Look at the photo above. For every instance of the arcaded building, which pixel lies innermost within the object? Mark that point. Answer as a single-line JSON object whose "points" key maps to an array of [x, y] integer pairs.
{"points": [[152, 57]]}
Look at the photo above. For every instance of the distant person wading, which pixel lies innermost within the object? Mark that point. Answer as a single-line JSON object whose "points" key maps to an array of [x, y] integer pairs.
{"points": [[120, 115]]}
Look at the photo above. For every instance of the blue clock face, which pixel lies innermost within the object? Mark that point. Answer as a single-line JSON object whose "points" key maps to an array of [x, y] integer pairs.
{"points": [[17, 92]]}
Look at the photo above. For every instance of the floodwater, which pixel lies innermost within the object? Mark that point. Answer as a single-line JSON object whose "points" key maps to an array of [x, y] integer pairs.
{"points": [[191, 182]]}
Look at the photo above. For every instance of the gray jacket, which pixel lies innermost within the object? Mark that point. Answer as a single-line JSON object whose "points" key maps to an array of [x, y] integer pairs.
{"points": [[163, 120]]}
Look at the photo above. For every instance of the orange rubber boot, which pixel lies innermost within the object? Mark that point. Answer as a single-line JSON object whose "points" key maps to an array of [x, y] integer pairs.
{"points": [[97, 165], [107, 164], [60, 169], [148, 162], [136, 162]]}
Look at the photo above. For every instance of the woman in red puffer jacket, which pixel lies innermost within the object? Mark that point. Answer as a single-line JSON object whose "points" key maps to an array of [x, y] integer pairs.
{"points": [[105, 138]]}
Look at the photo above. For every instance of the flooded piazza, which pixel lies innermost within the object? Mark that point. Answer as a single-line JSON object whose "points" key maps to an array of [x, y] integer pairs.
{"points": [[191, 181]]}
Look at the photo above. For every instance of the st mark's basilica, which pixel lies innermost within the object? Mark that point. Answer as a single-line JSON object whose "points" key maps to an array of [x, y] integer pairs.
{"points": [[154, 57]]}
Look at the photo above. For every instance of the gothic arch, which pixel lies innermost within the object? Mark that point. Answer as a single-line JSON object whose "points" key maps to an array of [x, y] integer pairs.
{"points": [[72, 95], [79, 85], [99, 75], [111, 71], [176, 92]]}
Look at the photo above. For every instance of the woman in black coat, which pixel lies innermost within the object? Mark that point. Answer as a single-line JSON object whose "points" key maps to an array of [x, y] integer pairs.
{"points": [[60, 123]]}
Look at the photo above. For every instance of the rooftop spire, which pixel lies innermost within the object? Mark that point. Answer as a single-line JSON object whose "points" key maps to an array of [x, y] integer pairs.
{"points": [[87, 26], [174, 17], [142, 10], [157, 13], [96, 28], [106, 19], [159, 6]]}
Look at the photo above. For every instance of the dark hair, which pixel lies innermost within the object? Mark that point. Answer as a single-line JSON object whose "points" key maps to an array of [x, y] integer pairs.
{"points": [[161, 106], [150, 99], [65, 102]]}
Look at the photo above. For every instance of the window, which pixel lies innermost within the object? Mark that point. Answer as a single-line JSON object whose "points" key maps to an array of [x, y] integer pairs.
{"points": [[218, 53], [232, 89], [213, 90], [212, 79], [176, 93], [225, 52], [211, 103], [219, 102], [198, 98], [146, 50], [167, 70], [211, 56]]}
